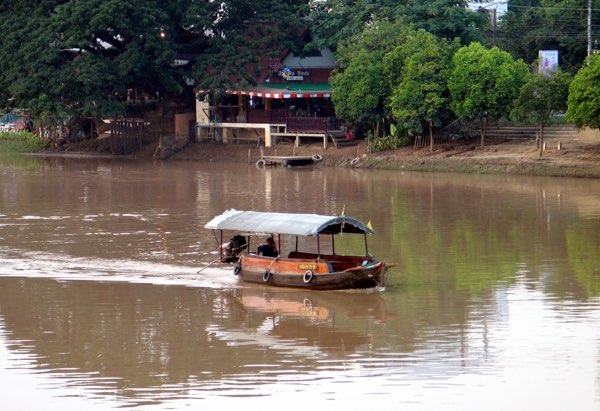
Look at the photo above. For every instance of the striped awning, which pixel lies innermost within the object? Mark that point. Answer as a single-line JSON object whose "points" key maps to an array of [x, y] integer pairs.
{"points": [[282, 90], [278, 95]]}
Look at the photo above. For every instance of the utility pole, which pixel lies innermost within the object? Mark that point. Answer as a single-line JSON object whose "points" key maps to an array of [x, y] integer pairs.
{"points": [[589, 30]]}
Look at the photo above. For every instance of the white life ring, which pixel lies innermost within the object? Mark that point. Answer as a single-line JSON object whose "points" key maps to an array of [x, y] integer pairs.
{"points": [[266, 276], [354, 161], [317, 157], [261, 163], [308, 276]]}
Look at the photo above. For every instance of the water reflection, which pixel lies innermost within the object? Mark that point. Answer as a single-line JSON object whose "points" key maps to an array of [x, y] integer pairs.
{"points": [[124, 337], [497, 288]]}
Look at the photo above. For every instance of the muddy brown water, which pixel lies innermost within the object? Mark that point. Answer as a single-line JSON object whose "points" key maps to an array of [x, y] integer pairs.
{"points": [[108, 297]]}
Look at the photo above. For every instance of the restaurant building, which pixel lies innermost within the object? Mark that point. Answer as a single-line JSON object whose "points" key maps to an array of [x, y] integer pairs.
{"points": [[291, 99]]}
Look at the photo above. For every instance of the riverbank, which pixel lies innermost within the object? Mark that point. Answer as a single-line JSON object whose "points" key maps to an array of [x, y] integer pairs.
{"points": [[573, 159]]}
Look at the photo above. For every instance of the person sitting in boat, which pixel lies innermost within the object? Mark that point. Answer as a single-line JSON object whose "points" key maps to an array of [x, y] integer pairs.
{"points": [[233, 248], [269, 249]]}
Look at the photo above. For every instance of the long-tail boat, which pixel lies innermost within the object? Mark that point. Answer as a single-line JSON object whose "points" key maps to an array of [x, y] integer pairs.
{"points": [[318, 270]]}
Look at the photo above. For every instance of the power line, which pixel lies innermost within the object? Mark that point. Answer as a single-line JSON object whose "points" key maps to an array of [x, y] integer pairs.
{"points": [[550, 8]]}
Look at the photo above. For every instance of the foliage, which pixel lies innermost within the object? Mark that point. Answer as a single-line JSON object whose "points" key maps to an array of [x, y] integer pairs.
{"points": [[84, 55], [397, 137], [337, 22], [238, 33], [584, 95], [361, 89], [542, 97], [530, 26], [421, 93], [20, 141], [484, 83]]}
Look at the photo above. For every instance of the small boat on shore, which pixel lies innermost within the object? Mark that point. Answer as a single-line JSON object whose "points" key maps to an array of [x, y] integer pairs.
{"points": [[302, 269]]}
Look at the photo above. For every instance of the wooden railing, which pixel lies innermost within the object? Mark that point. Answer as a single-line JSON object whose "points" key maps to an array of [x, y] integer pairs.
{"points": [[270, 117], [293, 124], [307, 124]]}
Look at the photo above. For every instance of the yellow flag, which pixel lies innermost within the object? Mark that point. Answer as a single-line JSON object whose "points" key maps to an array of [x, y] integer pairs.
{"points": [[369, 225]]}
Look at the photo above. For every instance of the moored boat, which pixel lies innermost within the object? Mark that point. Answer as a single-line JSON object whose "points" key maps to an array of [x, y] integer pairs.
{"points": [[303, 269]]}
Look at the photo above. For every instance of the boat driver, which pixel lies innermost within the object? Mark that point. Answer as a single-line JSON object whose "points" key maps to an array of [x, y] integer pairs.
{"points": [[269, 249]]}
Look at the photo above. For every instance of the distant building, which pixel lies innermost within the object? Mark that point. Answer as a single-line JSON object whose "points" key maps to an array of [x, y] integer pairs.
{"points": [[499, 7]]}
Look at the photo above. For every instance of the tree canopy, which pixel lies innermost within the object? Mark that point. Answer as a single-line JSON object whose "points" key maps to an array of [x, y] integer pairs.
{"points": [[540, 98], [338, 21], [533, 25], [82, 56], [421, 94], [484, 83], [584, 96]]}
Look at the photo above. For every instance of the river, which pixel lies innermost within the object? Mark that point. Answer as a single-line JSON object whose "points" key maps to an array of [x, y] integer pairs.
{"points": [[110, 298]]}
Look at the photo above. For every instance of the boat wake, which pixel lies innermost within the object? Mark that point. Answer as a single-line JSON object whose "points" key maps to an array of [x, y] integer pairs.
{"points": [[22, 263]]}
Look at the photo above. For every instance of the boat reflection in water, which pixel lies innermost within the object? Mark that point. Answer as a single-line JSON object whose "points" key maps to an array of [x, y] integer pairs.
{"points": [[303, 322]]}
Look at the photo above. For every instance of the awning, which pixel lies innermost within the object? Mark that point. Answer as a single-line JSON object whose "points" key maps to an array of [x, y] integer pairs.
{"points": [[285, 223], [283, 90]]}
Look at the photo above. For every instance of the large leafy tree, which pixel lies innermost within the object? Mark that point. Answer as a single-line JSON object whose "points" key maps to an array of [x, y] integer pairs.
{"points": [[420, 97], [362, 87], [584, 95], [86, 54], [80, 57], [484, 83], [337, 21], [540, 98], [243, 36]]}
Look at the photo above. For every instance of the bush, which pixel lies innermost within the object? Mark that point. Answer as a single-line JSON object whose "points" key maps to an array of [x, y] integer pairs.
{"points": [[20, 141]]}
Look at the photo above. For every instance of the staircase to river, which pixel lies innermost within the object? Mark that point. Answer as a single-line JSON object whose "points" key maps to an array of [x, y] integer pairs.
{"points": [[558, 132]]}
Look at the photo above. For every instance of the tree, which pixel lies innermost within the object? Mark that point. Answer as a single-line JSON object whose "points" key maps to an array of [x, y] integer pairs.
{"points": [[79, 58], [484, 83], [540, 98], [421, 97], [359, 92], [338, 21], [584, 95], [82, 56], [533, 25], [362, 87], [239, 33]]}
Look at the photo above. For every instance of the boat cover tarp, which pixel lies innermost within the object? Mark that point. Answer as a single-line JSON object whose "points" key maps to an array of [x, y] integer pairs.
{"points": [[286, 223]]}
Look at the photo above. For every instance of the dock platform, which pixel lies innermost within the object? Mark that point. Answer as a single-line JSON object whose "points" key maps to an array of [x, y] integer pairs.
{"points": [[288, 161]]}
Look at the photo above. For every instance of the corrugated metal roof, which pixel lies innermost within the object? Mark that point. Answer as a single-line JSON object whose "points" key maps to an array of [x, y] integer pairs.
{"points": [[285, 223]]}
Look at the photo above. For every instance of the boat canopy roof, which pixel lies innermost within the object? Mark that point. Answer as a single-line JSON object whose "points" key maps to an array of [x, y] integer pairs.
{"points": [[286, 223]]}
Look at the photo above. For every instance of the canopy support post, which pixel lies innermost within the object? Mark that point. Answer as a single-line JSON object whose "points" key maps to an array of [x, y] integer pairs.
{"points": [[318, 246], [221, 245], [333, 243], [366, 245]]}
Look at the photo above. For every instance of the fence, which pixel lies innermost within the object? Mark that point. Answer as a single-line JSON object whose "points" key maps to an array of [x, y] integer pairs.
{"points": [[127, 136], [442, 136]]}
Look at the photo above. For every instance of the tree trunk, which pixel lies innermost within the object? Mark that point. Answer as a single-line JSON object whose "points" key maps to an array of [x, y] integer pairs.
{"points": [[541, 140], [430, 136], [482, 128]]}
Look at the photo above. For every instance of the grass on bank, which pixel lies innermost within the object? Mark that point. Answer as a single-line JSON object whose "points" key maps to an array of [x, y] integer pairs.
{"points": [[20, 142]]}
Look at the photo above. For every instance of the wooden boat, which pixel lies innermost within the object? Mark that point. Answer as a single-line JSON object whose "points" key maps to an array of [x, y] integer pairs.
{"points": [[309, 270]]}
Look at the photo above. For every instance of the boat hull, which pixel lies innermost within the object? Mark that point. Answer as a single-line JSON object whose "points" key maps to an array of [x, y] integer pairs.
{"points": [[309, 274]]}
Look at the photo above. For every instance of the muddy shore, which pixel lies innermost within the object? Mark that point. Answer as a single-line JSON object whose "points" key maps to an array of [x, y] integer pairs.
{"points": [[573, 159]]}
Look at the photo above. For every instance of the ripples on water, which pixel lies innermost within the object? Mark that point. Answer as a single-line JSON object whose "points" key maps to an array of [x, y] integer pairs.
{"points": [[108, 297]]}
